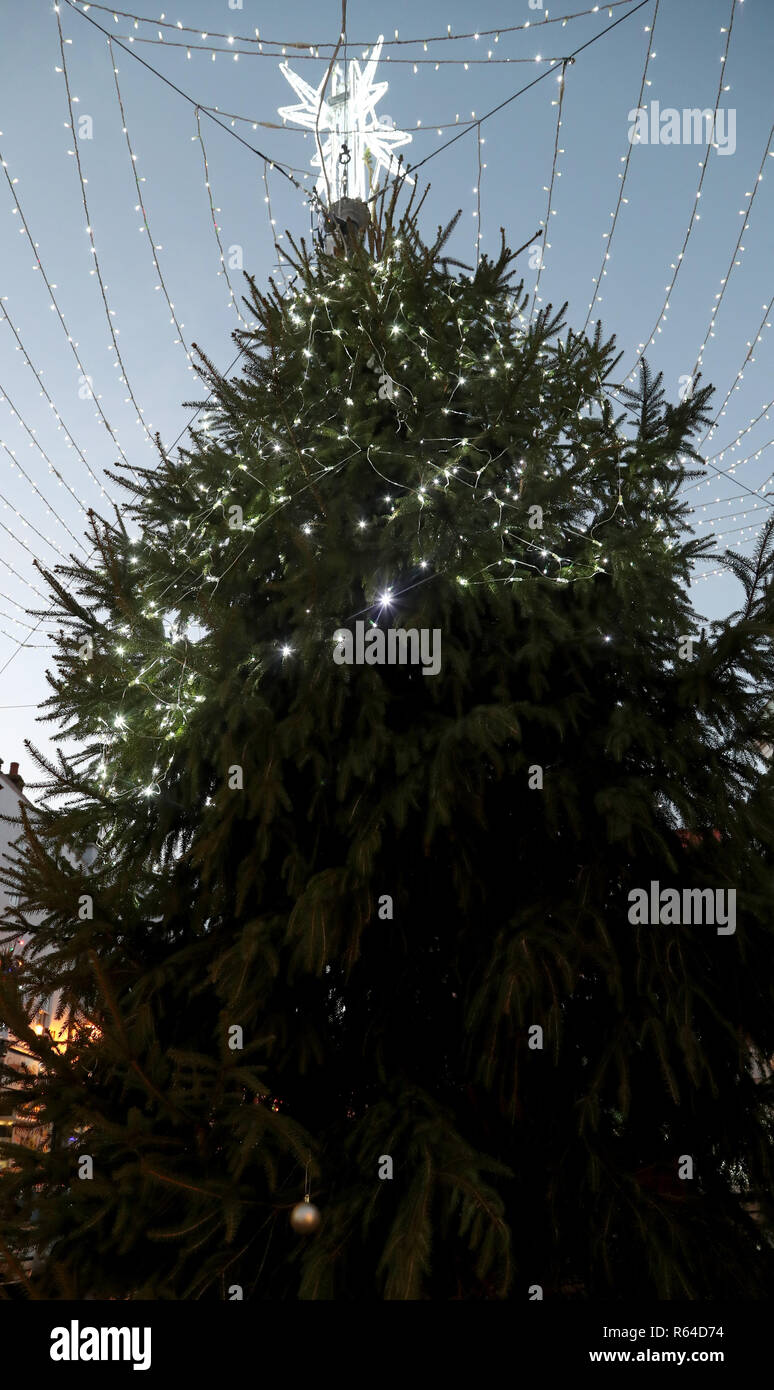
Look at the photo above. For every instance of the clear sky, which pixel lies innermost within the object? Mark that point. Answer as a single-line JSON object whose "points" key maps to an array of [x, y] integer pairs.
{"points": [[601, 88]]}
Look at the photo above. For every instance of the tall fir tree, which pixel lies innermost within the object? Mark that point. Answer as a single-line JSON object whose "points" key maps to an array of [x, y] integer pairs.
{"points": [[365, 929]]}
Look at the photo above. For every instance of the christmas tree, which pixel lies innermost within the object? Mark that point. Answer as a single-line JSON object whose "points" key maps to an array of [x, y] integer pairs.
{"points": [[392, 705]]}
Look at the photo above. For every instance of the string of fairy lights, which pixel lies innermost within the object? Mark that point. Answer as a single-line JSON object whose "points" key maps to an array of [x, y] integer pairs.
{"points": [[738, 251], [650, 30], [109, 313], [695, 214], [214, 215], [749, 357], [61, 426], [284, 44], [549, 188], [236, 45], [70, 340], [140, 207]]}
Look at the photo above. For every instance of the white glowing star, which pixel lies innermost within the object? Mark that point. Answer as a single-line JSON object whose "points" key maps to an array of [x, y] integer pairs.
{"points": [[346, 115]]}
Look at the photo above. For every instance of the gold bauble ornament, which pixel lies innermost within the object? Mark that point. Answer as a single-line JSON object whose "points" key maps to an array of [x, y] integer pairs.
{"points": [[305, 1218]]}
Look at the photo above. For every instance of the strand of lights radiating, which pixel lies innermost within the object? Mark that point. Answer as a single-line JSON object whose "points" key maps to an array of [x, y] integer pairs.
{"points": [[729, 448], [20, 644], [24, 643], [278, 164], [272, 220], [141, 209], [731, 475], [213, 213], [425, 127], [755, 527], [35, 444], [71, 444], [225, 489], [738, 249], [650, 30], [16, 604], [740, 374], [731, 472], [26, 627], [197, 106], [67, 333], [395, 42], [109, 313], [31, 627], [15, 572], [695, 214], [501, 105], [9, 506], [727, 516], [314, 57], [549, 189], [734, 496], [707, 482], [38, 494], [422, 127], [477, 190]]}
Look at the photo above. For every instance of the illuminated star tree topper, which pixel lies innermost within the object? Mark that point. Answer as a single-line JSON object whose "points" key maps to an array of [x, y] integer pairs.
{"points": [[344, 114]]}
